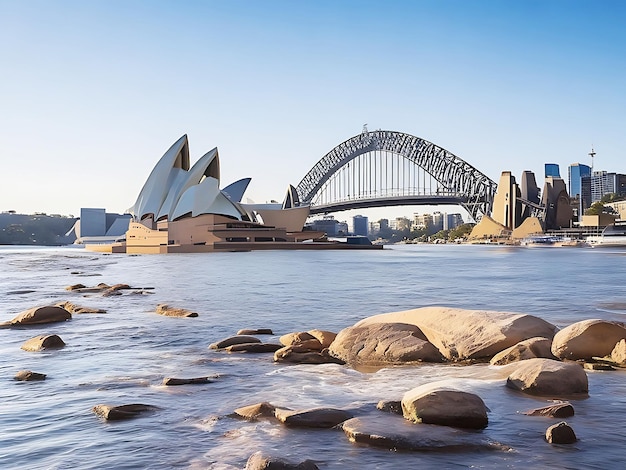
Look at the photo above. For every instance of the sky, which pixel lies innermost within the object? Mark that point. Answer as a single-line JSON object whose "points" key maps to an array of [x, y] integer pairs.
{"points": [[92, 93]]}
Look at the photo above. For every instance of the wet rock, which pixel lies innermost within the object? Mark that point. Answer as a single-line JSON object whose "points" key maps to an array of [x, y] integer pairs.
{"points": [[588, 338], [302, 339], [432, 404], [41, 315], [546, 377], [324, 337], [259, 461], [393, 433], [29, 376], [193, 381], [256, 411], [391, 406], [166, 310], [597, 366], [383, 343], [73, 308], [468, 334], [254, 347], [43, 342], [20, 292], [312, 418], [560, 433], [240, 339], [121, 412], [300, 355], [257, 331], [558, 410], [527, 349], [76, 287]]}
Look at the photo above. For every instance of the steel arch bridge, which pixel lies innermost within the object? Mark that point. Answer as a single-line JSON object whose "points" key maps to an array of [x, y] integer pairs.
{"points": [[385, 168]]}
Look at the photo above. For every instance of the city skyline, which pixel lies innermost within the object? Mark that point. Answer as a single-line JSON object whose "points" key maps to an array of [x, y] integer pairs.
{"points": [[95, 90]]}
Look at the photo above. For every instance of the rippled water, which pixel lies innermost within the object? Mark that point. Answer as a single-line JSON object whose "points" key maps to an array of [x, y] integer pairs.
{"points": [[122, 356]]}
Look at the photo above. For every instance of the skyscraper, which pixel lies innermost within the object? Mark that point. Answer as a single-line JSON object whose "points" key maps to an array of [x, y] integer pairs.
{"points": [[575, 172], [552, 169]]}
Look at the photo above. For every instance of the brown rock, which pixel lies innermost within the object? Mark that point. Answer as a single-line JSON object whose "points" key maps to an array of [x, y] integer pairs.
{"points": [[166, 310], [527, 349], [432, 404], [391, 406], [242, 339], [193, 381], [257, 331], [597, 366], [300, 337], [324, 337], [256, 411], [73, 308], [558, 410], [41, 315], [587, 339], [254, 347], [560, 433], [312, 418], [120, 412], [298, 355], [42, 342], [29, 376], [75, 287], [546, 377], [258, 461], [618, 354]]}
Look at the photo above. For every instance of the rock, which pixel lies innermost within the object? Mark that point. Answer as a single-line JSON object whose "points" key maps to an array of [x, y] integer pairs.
{"points": [[120, 412], [258, 331], [393, 433], [546, 377], [588, 338], [597, 366], [166, 310], [42, 342], [41, 315], [560, 433], [324, 337], [76, 287], [432, 404], [73, 308], [468, 334], [391, 406], [558, 410], [383, 343], [299, 355], [312, 418], [305, 340], [193, 381], [258, 461], [254, 347], [527, 349], [29, 376], [242, 339], [618, 354], [256, 411]]}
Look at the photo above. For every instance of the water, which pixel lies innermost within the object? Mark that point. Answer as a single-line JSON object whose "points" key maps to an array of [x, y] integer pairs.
{"points": [[122, 356]]}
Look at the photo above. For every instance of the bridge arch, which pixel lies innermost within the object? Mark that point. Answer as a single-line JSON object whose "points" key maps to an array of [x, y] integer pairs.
{"points": [[471, 188]]}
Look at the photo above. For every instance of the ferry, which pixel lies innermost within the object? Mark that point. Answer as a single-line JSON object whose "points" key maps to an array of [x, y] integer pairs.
{"points": [[612, 236]]}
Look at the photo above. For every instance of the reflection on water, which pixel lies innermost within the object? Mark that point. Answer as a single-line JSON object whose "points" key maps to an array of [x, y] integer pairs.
{"points": [[123, 355]]}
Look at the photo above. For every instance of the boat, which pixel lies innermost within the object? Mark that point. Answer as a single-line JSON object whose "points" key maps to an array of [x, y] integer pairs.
{"points": [[541, 240], [612, 236]]}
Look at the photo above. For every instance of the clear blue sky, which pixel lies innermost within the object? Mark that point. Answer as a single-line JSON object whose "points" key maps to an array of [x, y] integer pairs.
{"points": [[94, 92]]}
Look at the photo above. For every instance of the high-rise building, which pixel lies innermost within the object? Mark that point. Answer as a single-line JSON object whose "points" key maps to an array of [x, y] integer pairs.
{"points": [[575, 173], [360, 225], [603, 183], [552, 169]]}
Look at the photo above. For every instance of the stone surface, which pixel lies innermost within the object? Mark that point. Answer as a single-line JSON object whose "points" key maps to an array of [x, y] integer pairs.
{"points": [[254, 347], [256, 411], [29, 376], [432, 404], [73, 308], [192, 381], [300, 355], [587, 339], [469, 334], [301, 338], [324, 337], [121, 412], [383, 343], [312, 418], [259, 461], [618, 354], [560, 433], [41, 315], [527, 349], [391, 406], [255, 331], [239, 339], [546, 377], [558, 410], [166, 310], [42, 342]]}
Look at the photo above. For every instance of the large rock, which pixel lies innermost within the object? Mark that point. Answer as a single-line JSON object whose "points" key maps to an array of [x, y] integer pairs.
{"points": [[558, 410], [42, 342], [560, 433], [432, 404], [618, 354], [114, 413], [383, 343], [254, 347], [259, 461], [29, 376], [545, 377], [255, 331], [302, 339], [256, 411], [527, 349], [324, 337], [468, 334], [587, 339], [312, 418], [40, 315]]}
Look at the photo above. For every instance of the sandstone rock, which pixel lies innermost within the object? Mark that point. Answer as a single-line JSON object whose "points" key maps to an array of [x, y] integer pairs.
{"points": [[192, 381], [258, 461], [558, 410], [546, 377], [166, 310], [312, 418], [242, 339], [75, 287], [254, 347], [42, 342], [256, 411], [257, 331], [597, 366], [120, 412], [41, 315], [588, 338], [73, 308], [391, 406], [299, 355], [560, 433], [431, 404], [468, 334], [303, 339], [392, 433], [527, 349], [383, 343], [618, 354], [29, 376], [324, 337]]}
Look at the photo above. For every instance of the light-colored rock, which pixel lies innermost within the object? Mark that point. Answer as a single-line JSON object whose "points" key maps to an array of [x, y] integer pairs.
{"points": [[73, 308], [618, 354], [29, 376], [433, 404], [587, 339], [560, 433], [300, 355], [468, 334], [324, 337], [597, 366], [41, 315], [312, 418], [383, 343], [301, 338], [527, 349], [391, 406], [240, 339], [259, 461], [254, 347], [546, 377], [166, 310], [120, 412], [558, 410], [42, 342], [256, 411], [255, 331]]}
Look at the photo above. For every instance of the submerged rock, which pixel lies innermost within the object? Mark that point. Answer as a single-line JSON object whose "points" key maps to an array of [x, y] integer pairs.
{"points": [[42, 342], [256, 411], [300, 355], [73, 308], [29, 376], [120, 412], [312, 418], [587, 339], [239, 339], [546, 377], [560, 433], [259, 461], [558, 410], [41, 315], [257, 331], [528, 349], [391, 406], [166, 310], [193, 381], [254, 347]]}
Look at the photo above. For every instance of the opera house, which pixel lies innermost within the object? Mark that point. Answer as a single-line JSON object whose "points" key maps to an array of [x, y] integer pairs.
{"points": [[181, 209]]}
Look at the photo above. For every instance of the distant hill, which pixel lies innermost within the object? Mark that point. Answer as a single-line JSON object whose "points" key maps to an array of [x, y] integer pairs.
{"points": [[35, 229]]}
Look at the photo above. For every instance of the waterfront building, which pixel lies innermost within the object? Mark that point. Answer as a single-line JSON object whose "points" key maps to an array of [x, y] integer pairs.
{"points": [[360, 225], [330, 226], [557, 203], [452, 221], [98, 226], [552, 170], [575, 173], [506, 210]]}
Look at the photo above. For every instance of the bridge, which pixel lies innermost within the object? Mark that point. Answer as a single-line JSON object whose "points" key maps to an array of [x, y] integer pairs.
{"points": [[388, 168]]}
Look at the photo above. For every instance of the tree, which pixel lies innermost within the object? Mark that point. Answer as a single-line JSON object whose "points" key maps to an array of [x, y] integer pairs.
{"points": [[598, 208], [462, 231]]}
